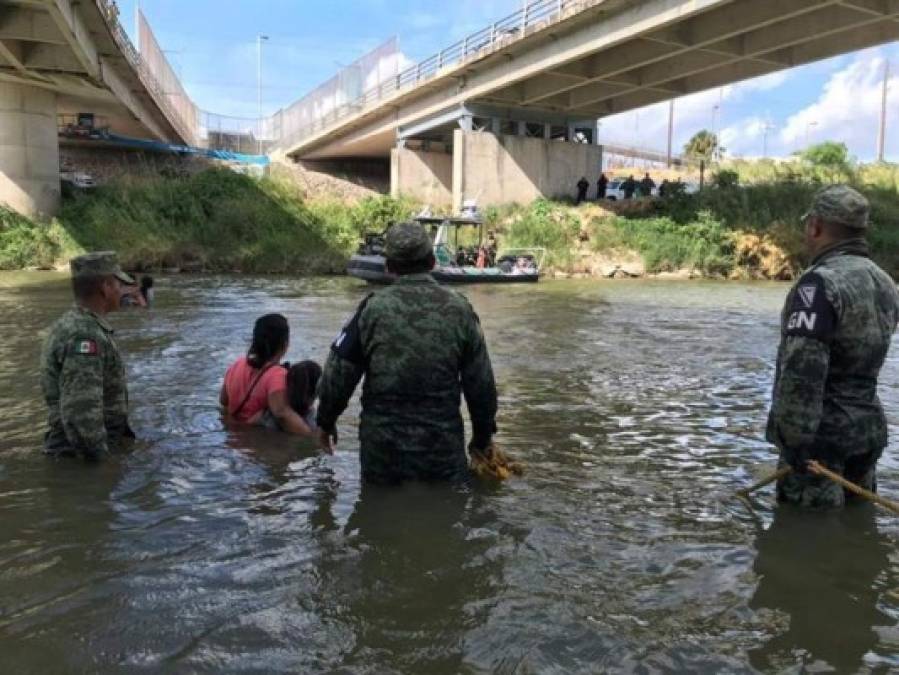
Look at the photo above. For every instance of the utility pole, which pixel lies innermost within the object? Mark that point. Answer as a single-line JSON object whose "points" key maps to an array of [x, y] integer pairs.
{"points": [[259, 39], [670, 130], [881, 138]]}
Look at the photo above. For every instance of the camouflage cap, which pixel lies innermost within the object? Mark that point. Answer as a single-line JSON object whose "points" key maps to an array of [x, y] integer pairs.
{"points": [[841, 205], [99, 264], [407, 241]]}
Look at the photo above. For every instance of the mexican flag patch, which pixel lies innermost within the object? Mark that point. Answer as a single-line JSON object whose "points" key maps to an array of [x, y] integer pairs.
{"points": [[88, 347]]}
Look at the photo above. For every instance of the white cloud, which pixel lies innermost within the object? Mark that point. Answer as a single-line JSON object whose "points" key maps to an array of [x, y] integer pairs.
{"points": [[848, 109]]}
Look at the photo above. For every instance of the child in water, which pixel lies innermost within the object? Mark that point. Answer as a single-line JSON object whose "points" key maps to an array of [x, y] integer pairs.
{"points": [[302, 384]]}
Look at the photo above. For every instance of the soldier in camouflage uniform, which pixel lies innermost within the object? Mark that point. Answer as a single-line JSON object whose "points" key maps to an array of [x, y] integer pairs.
{"points": [[82, 374], [420, 347], [836, 328]]}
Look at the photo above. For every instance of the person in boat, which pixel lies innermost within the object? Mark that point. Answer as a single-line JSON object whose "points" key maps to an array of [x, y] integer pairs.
{"points": [[836, 328], [255, 387], [582, 186], [419, 347], [492, 248]]}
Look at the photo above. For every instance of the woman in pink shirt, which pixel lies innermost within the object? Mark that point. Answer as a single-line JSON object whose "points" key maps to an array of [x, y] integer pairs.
{"points": [[256, 384]]}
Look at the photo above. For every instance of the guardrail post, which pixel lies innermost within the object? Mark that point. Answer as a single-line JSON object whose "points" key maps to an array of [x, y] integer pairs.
{"points": [[465, 48], [524, 18], [440, 59], [493, 33], [560, 8], [418, 72]]}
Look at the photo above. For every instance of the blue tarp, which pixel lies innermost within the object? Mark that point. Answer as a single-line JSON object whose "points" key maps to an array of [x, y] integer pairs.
{"points": [[159, 146]]}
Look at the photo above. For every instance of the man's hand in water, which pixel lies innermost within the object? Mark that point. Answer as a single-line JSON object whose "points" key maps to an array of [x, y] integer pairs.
{"points": [[327, 441]]}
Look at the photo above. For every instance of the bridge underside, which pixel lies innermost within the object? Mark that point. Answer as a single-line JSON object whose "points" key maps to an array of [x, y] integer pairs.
{"points": [[619, 56], [59, 58]]}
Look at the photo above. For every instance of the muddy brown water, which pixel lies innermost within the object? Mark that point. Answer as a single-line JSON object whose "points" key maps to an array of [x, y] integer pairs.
{"points": [[637, 408]]}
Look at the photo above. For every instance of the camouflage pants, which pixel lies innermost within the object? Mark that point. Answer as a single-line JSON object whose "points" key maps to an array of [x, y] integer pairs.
{"points": [[392, 453], [819, 492]]}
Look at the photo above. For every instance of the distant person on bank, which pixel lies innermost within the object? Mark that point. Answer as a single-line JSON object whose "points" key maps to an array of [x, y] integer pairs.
{"points": [[255, 389], [82, 372], [582, 186], [601, 186], [836, 327], [420, 348], [630, 187]]}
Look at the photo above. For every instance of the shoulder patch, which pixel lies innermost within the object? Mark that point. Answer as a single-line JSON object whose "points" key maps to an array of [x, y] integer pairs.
{"points": [[86, 347], [348, 344], [810, 313]]}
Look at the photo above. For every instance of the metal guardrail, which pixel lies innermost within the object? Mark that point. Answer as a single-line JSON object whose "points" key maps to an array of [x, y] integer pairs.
{"points": [[184, 126], [534, 16]]}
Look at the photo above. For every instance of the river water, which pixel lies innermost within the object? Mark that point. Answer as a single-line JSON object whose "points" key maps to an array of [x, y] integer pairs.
{"points": [[637, 407]]}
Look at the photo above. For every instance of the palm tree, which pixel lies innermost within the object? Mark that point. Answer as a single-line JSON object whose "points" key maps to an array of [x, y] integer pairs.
{"points": [[703, 145]]}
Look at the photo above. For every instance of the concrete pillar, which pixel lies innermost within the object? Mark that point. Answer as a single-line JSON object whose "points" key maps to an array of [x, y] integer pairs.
{"points": [[29, 150]]}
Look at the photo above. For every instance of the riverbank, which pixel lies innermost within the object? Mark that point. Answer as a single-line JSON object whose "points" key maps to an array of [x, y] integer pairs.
{"points": [[214, 221], [219, 221], [729, 231]]}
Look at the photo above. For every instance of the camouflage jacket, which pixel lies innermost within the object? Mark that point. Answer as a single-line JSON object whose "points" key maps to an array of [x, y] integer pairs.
{"points": [[836, 328], [420, 347], [83, 380]]}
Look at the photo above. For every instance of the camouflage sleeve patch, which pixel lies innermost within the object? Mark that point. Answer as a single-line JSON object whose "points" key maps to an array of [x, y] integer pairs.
{"points": [[348, 344], [478, 384], [811, 313], [81, 400], [335, 388]]}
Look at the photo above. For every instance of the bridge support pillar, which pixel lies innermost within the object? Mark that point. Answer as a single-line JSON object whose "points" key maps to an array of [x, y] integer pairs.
{"points": [[504, 169], [29, 150]]}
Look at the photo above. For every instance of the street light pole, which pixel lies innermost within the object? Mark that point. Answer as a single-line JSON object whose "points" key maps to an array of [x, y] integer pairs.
{"points": [[881, 138], [259, 39], [670, 130]]}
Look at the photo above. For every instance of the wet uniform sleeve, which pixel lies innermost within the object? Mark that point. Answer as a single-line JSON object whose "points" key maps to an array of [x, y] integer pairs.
{"points": [[478, 384], [342, 372], [810, 320], [81, 403]]}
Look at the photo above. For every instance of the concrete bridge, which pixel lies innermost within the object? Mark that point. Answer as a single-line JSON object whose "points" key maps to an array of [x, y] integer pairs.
{"points": [[63, 57], [550, 70]]}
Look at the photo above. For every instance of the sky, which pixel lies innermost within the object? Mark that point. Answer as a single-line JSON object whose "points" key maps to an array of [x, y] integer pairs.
{"points": [[212, 46]]}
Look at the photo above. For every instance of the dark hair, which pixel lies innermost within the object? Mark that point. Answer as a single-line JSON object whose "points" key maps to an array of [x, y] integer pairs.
{"points": [[86, 288], [146, 281], [302, 382], [403, 267], [270, 336], [839, 231]]}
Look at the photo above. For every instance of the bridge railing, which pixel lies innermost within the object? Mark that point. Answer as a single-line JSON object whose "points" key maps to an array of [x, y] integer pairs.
{"points": [[172, 100], [534, 15]]}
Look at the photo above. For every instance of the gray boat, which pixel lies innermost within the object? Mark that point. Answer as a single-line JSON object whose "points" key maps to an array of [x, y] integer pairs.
{"points": [[456, 264]]}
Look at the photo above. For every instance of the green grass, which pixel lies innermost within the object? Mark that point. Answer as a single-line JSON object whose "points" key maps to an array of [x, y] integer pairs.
{"points": [[25, 243], [216, 220]]}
